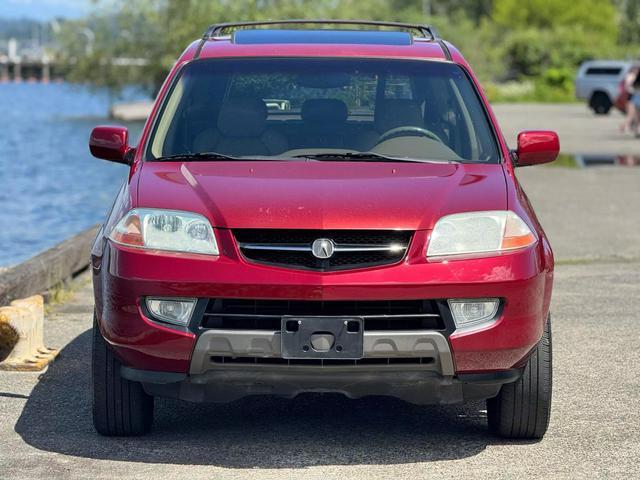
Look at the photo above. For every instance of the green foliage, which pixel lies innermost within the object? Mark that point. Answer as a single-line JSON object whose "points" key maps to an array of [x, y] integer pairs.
{"points": [[559, 78], [538, 42], [541, 34], [594, 16]]}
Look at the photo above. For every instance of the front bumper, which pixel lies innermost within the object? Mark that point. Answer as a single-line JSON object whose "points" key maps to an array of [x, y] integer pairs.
{"points": [[122, 276], [423, 375]]}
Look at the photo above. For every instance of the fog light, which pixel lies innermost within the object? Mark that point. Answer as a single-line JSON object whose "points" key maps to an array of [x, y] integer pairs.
{"points": [[473, 312], [171, 310]]}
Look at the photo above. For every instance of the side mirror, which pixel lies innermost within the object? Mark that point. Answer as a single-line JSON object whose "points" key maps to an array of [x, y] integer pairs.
{"points": [[110, 143], [536, 147]]}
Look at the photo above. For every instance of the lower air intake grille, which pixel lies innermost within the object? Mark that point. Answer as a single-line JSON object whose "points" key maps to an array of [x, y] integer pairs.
{"points": [[244, 314]]}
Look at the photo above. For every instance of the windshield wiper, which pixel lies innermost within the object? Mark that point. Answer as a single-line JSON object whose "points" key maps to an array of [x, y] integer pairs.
{"points": [[213, 156], [194, 157], [367, 157]]}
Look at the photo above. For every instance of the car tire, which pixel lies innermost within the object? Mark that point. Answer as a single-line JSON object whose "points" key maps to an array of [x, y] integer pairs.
{"points": [[600, 103], [522, 409], [120, 407]]}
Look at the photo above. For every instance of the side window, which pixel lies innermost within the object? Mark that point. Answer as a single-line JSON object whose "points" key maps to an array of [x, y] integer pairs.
{"points": [[360, 95], [611, 71], [263, 85], [398, 87], [282, 92]]}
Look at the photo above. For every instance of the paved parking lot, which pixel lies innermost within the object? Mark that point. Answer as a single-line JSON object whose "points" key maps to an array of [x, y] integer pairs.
{"points": [[580, 131], [592, 218]]}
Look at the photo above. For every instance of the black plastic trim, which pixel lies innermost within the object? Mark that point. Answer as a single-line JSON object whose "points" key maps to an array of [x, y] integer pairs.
{"points": [[445, 50], [501, 376], [151, 376], [196, 55]]}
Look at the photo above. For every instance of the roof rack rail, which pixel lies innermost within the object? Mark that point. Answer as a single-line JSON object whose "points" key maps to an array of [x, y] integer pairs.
{"points": [[217, 29]]}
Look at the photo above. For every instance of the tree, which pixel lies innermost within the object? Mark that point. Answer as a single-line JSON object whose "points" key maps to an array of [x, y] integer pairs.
{"points": [[542, 34], [502, 38], [629, 22]]}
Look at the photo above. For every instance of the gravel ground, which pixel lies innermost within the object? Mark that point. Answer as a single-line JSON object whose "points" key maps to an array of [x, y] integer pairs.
{"points": [[592, 219]]}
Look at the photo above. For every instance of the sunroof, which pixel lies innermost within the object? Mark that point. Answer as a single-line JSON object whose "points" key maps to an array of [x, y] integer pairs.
{"points": [[382, 37]]}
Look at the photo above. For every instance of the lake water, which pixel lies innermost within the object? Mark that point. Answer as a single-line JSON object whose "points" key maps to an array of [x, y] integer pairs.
{"points": [[50, 186]]}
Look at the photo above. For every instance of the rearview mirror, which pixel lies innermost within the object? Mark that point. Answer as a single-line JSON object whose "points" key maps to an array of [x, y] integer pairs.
{"points": [[110, 143], [536, 147]]}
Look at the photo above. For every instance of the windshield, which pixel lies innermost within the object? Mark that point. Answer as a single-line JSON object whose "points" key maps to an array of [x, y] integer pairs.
{"points": [[324, 109]]}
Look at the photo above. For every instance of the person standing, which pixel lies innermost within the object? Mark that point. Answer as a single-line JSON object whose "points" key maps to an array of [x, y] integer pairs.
{"points": [[632, 87]]}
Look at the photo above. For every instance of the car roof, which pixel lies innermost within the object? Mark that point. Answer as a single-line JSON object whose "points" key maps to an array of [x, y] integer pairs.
{"points": [[252, 39]]}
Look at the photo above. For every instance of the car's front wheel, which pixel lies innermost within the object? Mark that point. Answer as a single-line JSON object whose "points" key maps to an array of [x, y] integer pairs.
{"points": [[522, 408], [120, 407]]}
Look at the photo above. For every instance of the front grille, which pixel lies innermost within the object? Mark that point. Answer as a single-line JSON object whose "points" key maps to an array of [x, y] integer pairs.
{"points": [[322, 363], [244, 314], [293, 248]]}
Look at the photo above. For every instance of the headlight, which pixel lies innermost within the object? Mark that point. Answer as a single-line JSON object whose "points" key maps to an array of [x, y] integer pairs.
{"points": [[479, 232], [165, 230]]}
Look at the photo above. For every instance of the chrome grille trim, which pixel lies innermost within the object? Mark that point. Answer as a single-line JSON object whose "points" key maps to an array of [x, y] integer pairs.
{"points": [[338, 247]]}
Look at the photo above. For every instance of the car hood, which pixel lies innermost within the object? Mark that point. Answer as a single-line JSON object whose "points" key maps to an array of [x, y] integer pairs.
{"points": [[321, 195]]}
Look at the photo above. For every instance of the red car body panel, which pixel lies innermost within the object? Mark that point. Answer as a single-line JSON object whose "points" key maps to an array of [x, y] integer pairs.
{"points": [[313, 195], [308, 195]]}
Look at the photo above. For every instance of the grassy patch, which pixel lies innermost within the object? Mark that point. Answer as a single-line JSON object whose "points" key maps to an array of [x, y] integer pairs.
{"points": [[564, 160], [553, 87]]}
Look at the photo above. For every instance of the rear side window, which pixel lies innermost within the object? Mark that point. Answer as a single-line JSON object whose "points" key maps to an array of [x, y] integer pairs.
{"points": [[613, 71]]}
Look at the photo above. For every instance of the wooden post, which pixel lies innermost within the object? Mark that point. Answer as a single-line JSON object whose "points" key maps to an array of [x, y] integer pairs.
{"points": [[17, 72], [46, 72]]}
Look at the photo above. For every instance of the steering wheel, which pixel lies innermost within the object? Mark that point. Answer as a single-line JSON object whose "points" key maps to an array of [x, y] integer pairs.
{"points": [[408, 131]]}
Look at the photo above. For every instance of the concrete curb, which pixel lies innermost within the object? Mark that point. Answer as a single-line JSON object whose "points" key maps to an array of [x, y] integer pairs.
{"points": [[21, 336]]}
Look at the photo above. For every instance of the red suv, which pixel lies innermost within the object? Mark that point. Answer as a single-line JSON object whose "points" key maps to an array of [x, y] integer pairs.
{"points": [[322, 210]]}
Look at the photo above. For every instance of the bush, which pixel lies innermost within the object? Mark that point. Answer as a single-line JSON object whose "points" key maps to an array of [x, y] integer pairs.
{"points": [[552, 86]]}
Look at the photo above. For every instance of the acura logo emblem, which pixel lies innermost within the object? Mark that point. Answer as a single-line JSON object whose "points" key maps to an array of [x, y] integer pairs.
{"points": [[323, 248]]}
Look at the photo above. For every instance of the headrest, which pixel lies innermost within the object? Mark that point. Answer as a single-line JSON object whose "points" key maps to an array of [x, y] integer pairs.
{"points": [[324, 111], [392, 113], [242, 117]]}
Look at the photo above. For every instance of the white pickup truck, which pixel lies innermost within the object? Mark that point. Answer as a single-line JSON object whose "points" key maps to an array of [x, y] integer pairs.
{"points": [[599, 82]]}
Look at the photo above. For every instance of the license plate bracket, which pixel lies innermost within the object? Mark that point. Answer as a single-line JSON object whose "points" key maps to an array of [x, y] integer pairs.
{"points": [[327, 338]]}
